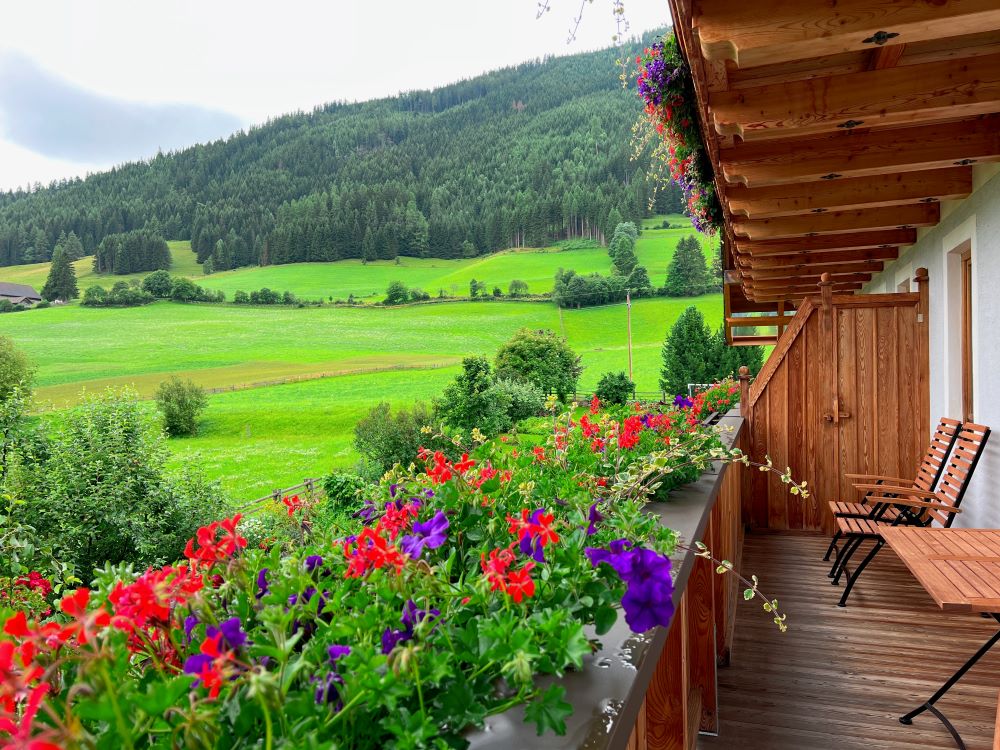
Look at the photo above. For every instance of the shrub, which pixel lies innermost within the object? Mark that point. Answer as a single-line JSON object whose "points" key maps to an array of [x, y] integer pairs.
{"points": [[180, 402], [6, 306], [473, 399], [342, 488], [159, 284], [385, 437], [526, 399], [122, 294], [418, 295], [615, 388], [15, 369], [396, 293], [241, 298], [41, 305], [541, 358], [184, 290], [517, 288], [98, 488]]}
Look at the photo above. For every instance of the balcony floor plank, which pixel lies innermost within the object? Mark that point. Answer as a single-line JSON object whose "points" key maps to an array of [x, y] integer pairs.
{"points": [[840, 678]]}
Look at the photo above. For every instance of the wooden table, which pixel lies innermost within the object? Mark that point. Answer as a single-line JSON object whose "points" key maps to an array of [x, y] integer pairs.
{"points": [[960, 569]]}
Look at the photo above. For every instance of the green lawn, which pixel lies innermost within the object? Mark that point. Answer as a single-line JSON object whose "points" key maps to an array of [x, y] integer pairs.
{"points": [[261, 438]]}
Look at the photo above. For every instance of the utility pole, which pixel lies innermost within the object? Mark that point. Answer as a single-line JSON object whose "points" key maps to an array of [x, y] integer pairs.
{"points": [[628, 307]]}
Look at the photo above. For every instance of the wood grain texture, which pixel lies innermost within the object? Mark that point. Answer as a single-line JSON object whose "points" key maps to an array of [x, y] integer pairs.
{"points": [[835, 681], [841, 394]]}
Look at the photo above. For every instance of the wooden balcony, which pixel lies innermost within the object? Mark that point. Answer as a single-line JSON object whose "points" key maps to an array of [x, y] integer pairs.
{"points": [[840, 678]]}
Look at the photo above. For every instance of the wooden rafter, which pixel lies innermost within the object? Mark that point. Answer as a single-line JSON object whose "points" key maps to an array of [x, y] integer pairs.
{"points": [[829, 257], [794, 271], [863, 154], [893, 189], [769, 32], [848, 241], [804, 282], [834, 222], [894, 96]]}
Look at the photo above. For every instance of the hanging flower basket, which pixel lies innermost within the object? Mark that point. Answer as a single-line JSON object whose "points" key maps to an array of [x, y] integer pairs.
{"points": [[663, 80]]}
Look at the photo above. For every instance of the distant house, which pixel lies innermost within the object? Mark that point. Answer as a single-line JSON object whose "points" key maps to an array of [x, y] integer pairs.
{"points": [[19, 294]]}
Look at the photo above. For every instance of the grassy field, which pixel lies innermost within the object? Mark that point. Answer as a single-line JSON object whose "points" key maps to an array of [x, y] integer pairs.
{"points": [[312, 281], [257, 439], [183, 263], [346, 359]]}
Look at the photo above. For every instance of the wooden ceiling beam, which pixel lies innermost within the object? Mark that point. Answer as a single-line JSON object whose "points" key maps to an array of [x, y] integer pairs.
{"points": [[863, 154], [895, 96], [823, 258], [893, 189], [794, 271], [806, 280], [837, 222], [769, 32], [849, 241]]}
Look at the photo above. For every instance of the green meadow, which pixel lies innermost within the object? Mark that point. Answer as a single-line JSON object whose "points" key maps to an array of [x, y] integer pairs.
{"points": [[294, 381], [321, 281]]}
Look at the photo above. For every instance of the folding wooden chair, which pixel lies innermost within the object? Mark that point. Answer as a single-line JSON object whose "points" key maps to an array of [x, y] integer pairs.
{"points": [[915, 507], [926, 480]]}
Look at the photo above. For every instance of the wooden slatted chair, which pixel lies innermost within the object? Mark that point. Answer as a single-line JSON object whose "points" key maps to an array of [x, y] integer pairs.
{"points": [[916, 507], [926, 480]]}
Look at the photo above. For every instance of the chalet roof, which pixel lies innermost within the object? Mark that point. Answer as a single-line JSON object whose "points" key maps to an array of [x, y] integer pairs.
{"points": [[19, 290], [836, 130]]}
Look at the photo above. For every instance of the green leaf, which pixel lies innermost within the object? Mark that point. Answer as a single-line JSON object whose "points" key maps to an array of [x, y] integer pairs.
{"points": [[748, 594], [549, 711], [604, 619], [160, 696]]}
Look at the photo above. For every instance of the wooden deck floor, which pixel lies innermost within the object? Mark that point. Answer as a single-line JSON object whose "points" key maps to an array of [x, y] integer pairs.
{"points": [[840, 678]]}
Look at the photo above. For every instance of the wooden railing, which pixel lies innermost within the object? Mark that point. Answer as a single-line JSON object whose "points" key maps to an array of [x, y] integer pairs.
{"points": [[846, 390]]}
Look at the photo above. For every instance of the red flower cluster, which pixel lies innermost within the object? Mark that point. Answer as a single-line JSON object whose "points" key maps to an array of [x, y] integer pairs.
{"points": [[515, 583], [36, 582], [588, 428], [536, 524], [371, 551], [218, 667], [630, 429], [397, 518], [143, 608], [211, 549], [293, 503], [486, 473]]}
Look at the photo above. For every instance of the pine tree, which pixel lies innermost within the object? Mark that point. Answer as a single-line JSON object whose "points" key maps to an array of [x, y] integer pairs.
{"points": [[61, 283], [687, 275], [689, 355], [73, 247]]}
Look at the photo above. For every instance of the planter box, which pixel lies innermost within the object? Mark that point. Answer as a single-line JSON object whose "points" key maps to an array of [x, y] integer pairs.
{"points": [[658, 688]]}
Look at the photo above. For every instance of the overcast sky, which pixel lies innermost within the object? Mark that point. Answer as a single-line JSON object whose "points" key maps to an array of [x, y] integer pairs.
{"points": [[85, 84]]}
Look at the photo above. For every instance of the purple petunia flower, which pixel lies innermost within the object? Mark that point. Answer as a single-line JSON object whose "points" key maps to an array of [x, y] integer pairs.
{"points": [[190, 623], [431, 534], [232, 632], [531, 544], [412, 617], [313, 562], [195, 663], [337, 651], [595, 517], [262, 588], [392, 490], [648, 599], [366, 513], [683, 402]]}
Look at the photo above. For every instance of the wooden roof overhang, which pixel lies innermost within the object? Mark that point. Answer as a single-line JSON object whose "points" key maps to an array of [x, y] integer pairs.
{"points": [[836, 128]]}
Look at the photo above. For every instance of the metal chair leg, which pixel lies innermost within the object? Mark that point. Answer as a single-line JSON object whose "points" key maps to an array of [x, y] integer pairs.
{"points": [[833, 546], [857, 573], [842, 557]]}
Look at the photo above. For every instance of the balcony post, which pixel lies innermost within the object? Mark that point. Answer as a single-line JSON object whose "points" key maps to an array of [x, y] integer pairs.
{"points": [[744, 391]]}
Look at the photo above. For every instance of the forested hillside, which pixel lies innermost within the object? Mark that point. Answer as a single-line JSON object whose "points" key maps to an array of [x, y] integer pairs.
{"points": [[515, 157]]}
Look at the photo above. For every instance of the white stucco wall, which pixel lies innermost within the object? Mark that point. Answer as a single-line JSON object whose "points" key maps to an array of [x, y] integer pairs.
{"points": [[977, 220]]}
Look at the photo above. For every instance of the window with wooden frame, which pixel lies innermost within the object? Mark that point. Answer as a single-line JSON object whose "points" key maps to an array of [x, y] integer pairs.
{"points": [[968, 407]]}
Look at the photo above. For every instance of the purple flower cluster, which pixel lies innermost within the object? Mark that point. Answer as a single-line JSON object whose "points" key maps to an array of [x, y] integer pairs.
{"points": [[430, 534], [595, 517], [683, 402], [327, 690], [412, 617], [531, 544], [648, 599], [233, 637]]}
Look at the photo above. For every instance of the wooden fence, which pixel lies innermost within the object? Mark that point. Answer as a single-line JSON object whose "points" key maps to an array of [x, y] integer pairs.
{"points": [[275, 497]]}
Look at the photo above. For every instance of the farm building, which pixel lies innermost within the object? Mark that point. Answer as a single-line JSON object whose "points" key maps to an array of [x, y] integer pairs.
{"points": [[19, 294]]}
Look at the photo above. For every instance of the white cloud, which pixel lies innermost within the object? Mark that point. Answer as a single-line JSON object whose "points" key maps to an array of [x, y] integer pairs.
{"points": [[257, 58]]}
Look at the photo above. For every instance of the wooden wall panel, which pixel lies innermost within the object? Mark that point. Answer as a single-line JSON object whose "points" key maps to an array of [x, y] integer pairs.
{"points": [[841, 393]]}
